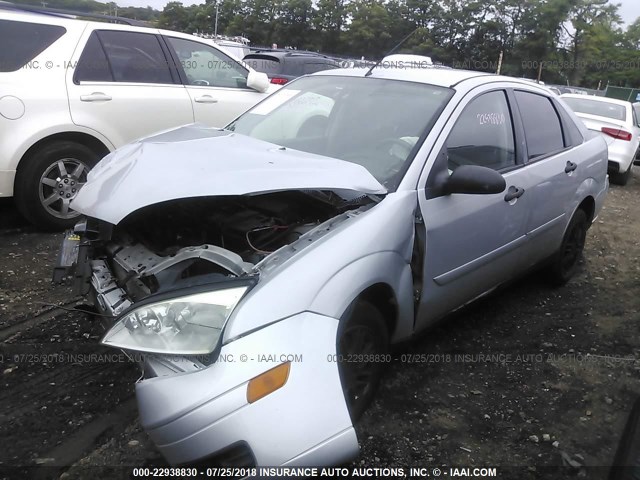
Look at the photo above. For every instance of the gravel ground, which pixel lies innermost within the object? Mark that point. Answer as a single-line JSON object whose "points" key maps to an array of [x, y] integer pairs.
{"points": [[527, 380]]}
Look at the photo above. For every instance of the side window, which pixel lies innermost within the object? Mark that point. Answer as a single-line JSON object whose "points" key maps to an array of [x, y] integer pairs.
{"points": [[483, 134], [22, 42], [542, 127], [135, 57], [207, 66], [573, 136], [93, 65]]}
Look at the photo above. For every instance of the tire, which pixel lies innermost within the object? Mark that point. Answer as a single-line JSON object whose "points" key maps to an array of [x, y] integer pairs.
{"points": [[362, 332], [565, 261], [626, 463], [621, 178], [49, 179]]}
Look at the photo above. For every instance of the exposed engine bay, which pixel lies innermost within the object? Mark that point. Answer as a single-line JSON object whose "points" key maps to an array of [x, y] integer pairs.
{"points": [[196, 240]]}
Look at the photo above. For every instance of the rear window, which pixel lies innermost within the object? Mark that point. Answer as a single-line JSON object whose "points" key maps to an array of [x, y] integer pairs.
{"points": [[22, 42], [264, 63], [594, 107]]}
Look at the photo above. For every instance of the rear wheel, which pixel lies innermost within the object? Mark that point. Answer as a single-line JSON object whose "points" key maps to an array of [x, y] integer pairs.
{"points": [[49, 179], [621, 178], [362, 340], [565, 262]]}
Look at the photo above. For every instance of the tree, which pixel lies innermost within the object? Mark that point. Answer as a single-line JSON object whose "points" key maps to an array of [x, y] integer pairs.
{"points": [[174, 17], [328, 21], [585, 17], [294, 24]]}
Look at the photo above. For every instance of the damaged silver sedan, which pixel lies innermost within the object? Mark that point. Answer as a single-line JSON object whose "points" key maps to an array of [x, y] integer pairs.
{"points": [[263, 270]]}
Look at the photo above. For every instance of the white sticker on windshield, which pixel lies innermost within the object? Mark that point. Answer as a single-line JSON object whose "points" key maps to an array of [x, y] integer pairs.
{"points": [[274, 101]]}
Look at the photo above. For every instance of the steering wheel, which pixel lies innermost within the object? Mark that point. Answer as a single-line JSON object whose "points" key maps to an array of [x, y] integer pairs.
{"points": [[200, 83], [402, 151], [395, 149]]}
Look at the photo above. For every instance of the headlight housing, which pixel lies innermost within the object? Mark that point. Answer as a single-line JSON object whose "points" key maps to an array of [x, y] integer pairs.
{"points": [[185, 325]]}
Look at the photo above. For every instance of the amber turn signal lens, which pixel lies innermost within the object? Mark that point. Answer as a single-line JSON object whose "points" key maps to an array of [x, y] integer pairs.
{"points": [[267, 382]]}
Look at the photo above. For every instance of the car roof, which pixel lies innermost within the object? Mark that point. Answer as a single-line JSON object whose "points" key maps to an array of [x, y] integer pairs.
{"points": [[615, 101], [288, 53], [432, 75], [70, 23]]}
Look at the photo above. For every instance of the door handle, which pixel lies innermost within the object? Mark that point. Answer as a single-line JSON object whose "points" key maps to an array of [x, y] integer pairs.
{"points": [[206, 99], [570, 167], [513, 193], [95, 97]]}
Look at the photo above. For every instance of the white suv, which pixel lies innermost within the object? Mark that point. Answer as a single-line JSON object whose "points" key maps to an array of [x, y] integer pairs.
{"points": [[72, 91]]}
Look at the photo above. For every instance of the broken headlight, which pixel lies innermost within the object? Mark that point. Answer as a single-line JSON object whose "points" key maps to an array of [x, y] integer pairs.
{"points": [[188, 325]]}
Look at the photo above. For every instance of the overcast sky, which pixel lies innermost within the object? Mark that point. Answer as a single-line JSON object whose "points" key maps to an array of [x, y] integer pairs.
{"points": [[629, 10]]}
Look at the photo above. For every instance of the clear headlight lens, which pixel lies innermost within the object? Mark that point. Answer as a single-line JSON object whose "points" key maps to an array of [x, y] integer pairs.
{"points": [[188, 325]]}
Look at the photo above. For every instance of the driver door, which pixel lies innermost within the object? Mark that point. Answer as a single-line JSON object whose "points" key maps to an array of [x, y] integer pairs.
{"points": [[472, 242], [216, 83]]}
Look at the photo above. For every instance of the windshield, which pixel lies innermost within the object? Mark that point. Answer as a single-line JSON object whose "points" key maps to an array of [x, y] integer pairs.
{"points": [[372, 122], [595, 107]]}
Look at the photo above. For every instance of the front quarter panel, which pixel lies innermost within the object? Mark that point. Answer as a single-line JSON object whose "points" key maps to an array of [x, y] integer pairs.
{"points": [[193, 415], [371, 247]]}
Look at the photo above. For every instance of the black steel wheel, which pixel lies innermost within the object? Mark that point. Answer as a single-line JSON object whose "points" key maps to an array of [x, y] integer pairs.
{"points": [[363, 340], [565, 262]]}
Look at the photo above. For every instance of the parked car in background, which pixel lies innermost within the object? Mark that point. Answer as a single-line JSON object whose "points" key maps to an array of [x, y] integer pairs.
{"points": [[282, 66], [407, 192], [617, 122], [236, 49], [74, 90], [636, 109], [403, 60]]}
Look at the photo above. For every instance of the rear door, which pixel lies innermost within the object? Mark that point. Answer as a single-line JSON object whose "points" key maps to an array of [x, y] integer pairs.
{"points": [[554, 171], [216, 83], [124, 87]]}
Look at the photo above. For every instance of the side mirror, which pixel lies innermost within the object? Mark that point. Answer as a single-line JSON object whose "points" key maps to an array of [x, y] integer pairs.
{"points": [[258, 81], [474, 179]]}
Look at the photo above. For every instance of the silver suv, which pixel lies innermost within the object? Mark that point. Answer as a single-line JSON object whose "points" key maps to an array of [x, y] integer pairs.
{"points": [[72, 91]]}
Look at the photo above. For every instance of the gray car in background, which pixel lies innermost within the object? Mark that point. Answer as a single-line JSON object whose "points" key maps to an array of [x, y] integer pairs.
{"points": [[263, 270], [282, 66]]}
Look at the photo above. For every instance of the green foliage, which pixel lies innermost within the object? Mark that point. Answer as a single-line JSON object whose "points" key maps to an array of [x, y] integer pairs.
{"points": [[147, 14], [580, 42]]}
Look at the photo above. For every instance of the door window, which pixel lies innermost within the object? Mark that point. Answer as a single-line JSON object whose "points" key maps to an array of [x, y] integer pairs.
{"points": [[542, 127], [131, 56], [483, 134], [207, 66], [93, 65]]}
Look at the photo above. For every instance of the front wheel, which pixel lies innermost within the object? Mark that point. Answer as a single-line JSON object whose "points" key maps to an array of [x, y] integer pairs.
{"points": [[565, 262], [49, 179], [362, 340]]}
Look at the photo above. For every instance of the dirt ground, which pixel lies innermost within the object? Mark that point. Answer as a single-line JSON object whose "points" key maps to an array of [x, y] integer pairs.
{"points": [[526, 380]]}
